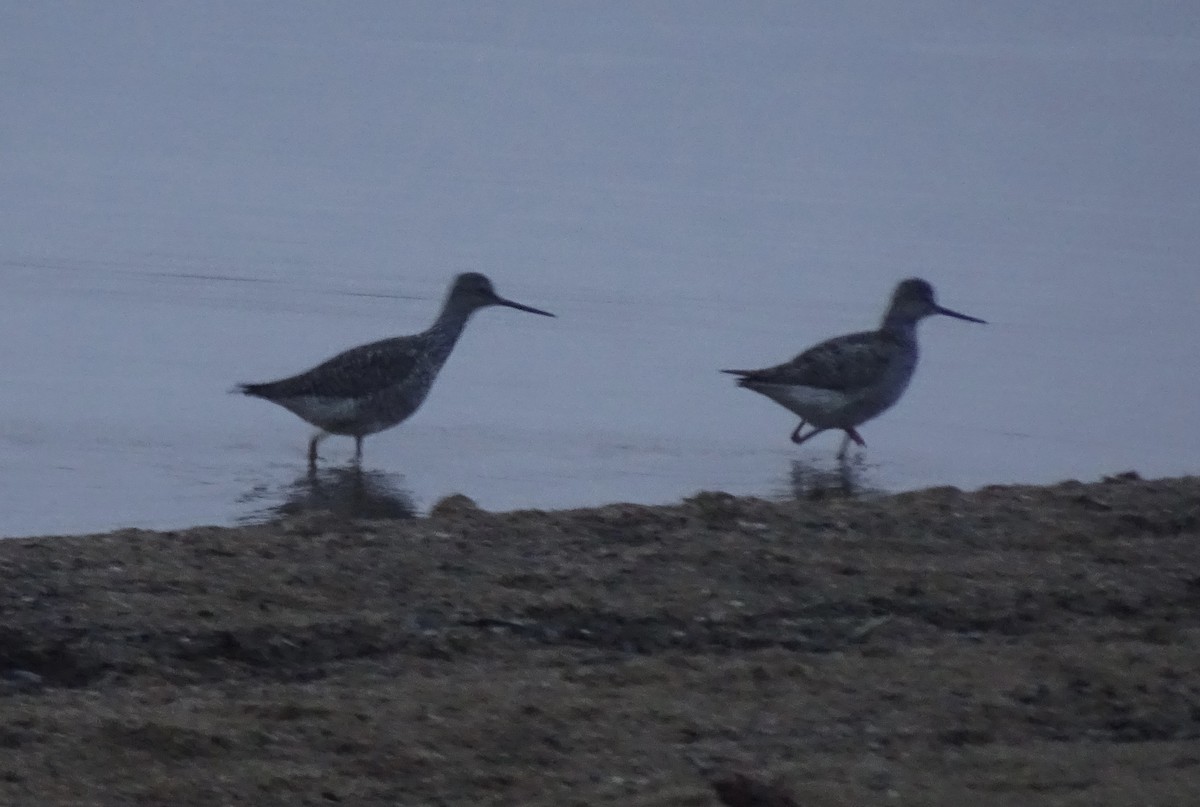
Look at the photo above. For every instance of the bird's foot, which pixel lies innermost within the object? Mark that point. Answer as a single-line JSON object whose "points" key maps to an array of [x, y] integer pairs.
{"points": [[797, 439]]}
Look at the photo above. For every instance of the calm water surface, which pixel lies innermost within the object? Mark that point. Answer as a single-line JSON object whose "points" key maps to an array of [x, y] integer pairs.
{"points": [[197, 197]]}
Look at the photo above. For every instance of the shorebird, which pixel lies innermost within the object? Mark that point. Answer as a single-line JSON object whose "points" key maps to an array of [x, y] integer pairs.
{"points": [[373, 387], [843, 382]]}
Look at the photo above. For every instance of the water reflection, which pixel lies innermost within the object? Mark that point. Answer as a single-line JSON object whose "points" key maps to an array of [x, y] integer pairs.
{"points": [[847, 478], [347, 491]]}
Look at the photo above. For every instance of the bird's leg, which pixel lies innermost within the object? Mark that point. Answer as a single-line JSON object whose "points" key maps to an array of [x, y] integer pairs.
{"points": [[806, 437], [851, 434], [796, 433], [358, 449], [312, 448]]}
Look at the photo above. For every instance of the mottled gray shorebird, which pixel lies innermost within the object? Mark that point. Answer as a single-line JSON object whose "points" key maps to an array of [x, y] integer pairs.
{"points": [[843, 382], [375, 386]]}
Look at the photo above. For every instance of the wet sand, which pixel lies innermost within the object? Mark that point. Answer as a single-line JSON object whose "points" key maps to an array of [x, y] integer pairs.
{"points": [[1010, 646]]}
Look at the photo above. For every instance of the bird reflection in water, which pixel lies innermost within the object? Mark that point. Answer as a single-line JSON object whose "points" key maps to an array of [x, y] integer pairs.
{"points": [[810, 481], [348, 492]]}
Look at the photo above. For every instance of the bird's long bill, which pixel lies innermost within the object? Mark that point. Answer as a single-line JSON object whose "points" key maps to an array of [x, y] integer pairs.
{"points": [[519, 307], [957, 315]]}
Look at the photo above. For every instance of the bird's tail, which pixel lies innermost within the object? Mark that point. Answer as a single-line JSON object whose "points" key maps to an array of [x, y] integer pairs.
{"points": [[245, 389], [745, 378]]}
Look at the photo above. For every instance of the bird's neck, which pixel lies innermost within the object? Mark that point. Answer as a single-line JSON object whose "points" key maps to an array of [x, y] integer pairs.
{"points": [[449, 325], [899, 327]]}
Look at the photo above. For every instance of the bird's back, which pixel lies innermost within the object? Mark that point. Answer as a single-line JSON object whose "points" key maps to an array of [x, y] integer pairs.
{"points": [[844, 364], [356, 373]]}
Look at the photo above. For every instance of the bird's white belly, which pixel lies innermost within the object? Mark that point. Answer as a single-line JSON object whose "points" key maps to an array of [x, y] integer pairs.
{"points": [[359, 416], [820, 407], [327, 412], [833, 409]]}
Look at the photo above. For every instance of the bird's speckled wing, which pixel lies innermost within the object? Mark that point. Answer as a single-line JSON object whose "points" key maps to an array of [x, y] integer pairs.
{"points": [[843, 364], [358, 372]]}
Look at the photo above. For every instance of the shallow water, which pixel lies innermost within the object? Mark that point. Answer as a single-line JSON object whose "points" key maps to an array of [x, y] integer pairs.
{"points": [[195, 198]]}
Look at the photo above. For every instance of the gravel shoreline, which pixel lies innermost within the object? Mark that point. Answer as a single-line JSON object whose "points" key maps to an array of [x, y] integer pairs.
{"points": [[1009, 646]]}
